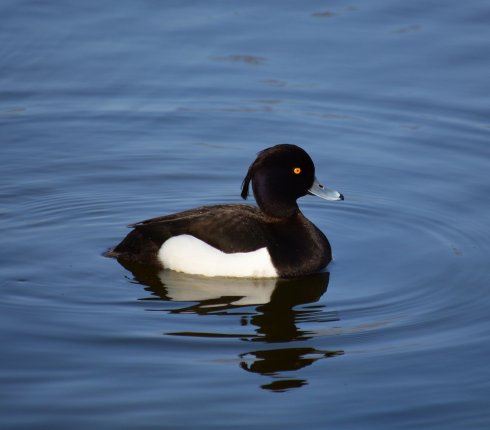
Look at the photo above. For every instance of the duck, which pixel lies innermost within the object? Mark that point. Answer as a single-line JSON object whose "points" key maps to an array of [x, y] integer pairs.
{"points": [[271, 240]]}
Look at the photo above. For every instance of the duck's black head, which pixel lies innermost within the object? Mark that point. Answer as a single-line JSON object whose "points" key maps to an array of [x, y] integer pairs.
{"points": [[280, 175]]}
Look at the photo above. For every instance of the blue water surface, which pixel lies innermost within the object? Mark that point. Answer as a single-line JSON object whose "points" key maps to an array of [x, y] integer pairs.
{"points": [[114, 112]]}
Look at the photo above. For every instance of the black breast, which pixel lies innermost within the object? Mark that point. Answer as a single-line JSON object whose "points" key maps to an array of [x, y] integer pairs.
{"points": [[297, 247]]}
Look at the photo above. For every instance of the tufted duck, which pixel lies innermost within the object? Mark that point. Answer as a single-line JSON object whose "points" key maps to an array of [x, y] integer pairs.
{"points": [[271, 240]]}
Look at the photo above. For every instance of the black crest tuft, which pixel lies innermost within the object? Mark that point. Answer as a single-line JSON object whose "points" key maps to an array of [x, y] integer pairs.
{"points": [[251, 170]]}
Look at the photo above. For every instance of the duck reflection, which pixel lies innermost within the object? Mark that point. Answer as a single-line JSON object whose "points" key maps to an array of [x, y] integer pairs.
{"points": [[275, 319], [275, 362]]}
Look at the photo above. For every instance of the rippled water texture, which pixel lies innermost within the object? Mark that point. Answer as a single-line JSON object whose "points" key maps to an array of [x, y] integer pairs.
{"points": [[115, 112]]}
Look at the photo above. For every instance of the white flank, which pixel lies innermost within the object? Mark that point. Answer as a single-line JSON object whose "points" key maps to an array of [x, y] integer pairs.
{"points": [[188, 254]]}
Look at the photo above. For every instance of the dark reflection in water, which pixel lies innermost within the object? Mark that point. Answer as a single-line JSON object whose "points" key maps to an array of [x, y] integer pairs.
{"points": [[274, 362], [275, 319]]}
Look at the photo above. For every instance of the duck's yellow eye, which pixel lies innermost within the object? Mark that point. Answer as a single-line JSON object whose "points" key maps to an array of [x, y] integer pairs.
{"points": [[297, 170]]}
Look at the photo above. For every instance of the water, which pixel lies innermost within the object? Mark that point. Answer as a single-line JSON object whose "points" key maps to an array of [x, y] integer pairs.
{"points": [[116, 112]]}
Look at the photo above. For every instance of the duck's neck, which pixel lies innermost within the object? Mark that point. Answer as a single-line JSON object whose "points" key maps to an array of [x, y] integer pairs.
{"points": [[275, 203], [278, 209]]}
